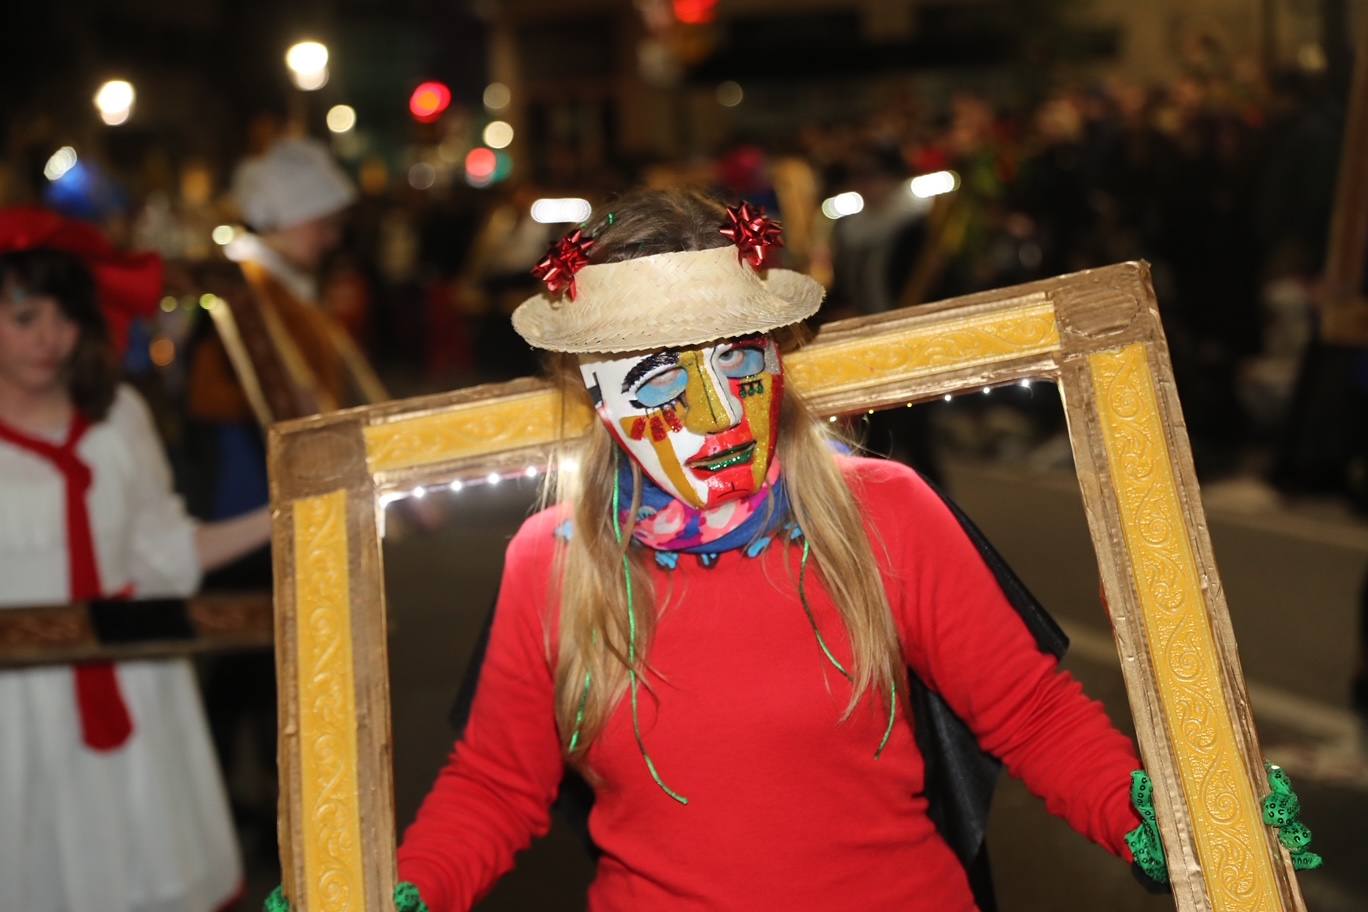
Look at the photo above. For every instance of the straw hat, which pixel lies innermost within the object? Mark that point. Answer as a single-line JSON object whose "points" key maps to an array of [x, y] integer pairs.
{"points": [[669, 300]]}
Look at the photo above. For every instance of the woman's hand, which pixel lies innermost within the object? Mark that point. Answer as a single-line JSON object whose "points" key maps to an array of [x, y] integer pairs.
{"points": [[220, 543], [406, 899], [1281, 810]]}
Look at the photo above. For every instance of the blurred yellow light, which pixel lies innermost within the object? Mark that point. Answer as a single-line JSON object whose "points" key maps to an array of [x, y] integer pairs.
{"points": [[311, 82], [925, 186], [498, 134], [59, 163], [308, 64], [842, 204], [162, 351], [422, 176], [1311, 58], [341, 118], [551, 211], [223, 235], [208, 301], [307, 57], [168, 304], [114, 100], [497, 96], [729, 94]]}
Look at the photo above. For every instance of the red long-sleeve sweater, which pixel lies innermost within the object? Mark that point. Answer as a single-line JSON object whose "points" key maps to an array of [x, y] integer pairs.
{"points": [[788, 806]]}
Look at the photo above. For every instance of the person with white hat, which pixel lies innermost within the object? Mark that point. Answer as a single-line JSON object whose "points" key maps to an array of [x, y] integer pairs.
{"points": [[293, 198]]}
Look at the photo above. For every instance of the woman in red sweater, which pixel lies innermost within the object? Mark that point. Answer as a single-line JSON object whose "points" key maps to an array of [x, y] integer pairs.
{"points": [[714, 623]]}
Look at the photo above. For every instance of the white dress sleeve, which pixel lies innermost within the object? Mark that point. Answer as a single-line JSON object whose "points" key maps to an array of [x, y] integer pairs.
{"points": [[162, 556]]}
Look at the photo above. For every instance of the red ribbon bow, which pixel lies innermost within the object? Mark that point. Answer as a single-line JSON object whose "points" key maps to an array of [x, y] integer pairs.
{"points": [[565, 258], [754, 234]]}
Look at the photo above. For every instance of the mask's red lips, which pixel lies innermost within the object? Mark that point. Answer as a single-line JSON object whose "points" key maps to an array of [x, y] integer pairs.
{"points": [[726, 459], [729, 439]]}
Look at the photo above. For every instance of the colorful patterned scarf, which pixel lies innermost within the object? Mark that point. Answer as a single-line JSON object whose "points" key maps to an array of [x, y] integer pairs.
{"points": [[665, 524]]}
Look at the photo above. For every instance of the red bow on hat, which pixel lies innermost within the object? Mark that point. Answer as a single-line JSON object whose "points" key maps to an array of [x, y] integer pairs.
{"points": [[565, 258], [128, 284], [754, 234]]}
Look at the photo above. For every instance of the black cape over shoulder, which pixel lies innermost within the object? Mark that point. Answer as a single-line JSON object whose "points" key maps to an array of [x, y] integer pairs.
{"points": [[960, 777]]}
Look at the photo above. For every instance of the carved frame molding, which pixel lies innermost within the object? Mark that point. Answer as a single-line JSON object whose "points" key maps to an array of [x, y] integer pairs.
{"points": [[1096, 333]]}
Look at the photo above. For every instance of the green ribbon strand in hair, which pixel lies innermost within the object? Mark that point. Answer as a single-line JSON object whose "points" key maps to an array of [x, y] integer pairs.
{"points": [[631, 645], [821, 641], [579, 712], [807, 609]]}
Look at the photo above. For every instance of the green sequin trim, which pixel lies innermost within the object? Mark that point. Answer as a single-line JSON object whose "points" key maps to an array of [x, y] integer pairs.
{"points": [[1282, 811], [1145, 843], [406, 898]]}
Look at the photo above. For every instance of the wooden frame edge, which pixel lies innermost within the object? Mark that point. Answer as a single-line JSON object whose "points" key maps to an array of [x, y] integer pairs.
{"points": [[1099, 312]]}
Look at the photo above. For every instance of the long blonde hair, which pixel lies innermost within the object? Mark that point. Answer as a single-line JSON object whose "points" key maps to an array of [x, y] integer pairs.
{"points": [[595, 631], [596, 644]]}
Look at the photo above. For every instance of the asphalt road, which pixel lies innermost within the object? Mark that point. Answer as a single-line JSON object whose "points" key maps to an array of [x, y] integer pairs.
{"points": [[1291, 582]]}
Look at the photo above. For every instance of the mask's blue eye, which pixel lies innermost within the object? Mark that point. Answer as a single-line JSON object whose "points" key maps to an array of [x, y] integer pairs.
{"points": [[662, 389], [736, 363]]}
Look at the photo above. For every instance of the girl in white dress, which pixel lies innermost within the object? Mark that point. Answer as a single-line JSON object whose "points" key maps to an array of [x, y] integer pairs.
{"points": [[110, 795]]}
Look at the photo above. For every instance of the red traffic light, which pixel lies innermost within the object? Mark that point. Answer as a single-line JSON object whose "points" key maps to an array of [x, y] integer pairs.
{"points": [[480, 164], [695, 12], [429, 101]]}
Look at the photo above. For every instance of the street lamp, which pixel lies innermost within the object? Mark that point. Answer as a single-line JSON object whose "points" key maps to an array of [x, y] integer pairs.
{"points": [[114, 100], [308, 64]]}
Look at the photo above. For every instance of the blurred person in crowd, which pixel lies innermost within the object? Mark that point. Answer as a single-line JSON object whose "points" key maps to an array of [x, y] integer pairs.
{"points": [[743, 173], [875, 249], [110, 795], [293, 198], [507, 245]]}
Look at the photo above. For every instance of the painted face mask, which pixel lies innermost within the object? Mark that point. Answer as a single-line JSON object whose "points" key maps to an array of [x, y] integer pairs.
{"points": [[701, 422]]}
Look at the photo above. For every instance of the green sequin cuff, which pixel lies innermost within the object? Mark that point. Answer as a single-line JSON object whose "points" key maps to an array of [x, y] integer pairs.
{"points": [[1145, 843], [276, 902], [406, 899], [1282, 811]]}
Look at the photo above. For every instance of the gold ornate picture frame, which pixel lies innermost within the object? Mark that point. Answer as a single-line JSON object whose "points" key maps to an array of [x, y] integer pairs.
{"points": [[1096, 333]]}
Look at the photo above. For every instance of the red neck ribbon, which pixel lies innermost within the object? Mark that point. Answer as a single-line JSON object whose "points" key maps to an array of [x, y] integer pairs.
{"points": [[105, 720]]}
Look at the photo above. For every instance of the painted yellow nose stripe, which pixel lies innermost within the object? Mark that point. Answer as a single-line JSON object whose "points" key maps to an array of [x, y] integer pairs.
{"points": [[707, 411]]}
